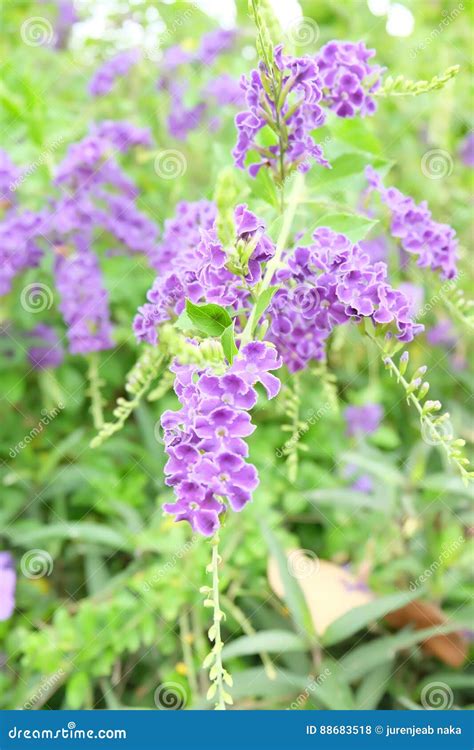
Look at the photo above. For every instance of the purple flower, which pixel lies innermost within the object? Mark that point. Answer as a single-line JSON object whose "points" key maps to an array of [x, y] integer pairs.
{"points": [[466, 151], [194, 265], [19, 249], [376, 248], [326, 284], [205, 440], [46, 350], [225, 90], [442, 334], [347, 78], [213, 44], [7, 585], [118, 66], [415, 294], [286, 98], [363, 420], [84, 301], [435, 244]]}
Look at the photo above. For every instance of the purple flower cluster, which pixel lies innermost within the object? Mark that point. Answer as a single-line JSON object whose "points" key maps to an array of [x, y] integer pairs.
{"points": [[19, 249], [97, 193], [213, 44], [286, 98], [435, 244], [348, 79], [193, 265], [7, 586], [46, 350], [118, 66], [204, 440], [326, 284], [84, 301], [362, 420], [181, 118], [225, 90]]}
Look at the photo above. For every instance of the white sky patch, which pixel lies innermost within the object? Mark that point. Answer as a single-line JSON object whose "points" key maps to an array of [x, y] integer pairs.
{"points": [[401, 21], [222, 11], [286, 10], [379, 7]]}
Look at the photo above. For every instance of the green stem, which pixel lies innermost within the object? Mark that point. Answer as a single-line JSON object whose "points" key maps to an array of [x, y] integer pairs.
{"points": [[94, 391], [186, 637], [248, 629], [273, 264], [218, 643]]}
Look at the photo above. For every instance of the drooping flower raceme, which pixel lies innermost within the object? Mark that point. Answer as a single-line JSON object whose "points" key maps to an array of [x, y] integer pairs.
{"points": [[84, 301], [287, 100], [118, 66], [326, 284], [193, 265], [205, 440], [348, 79], [7, 586], [435, 244]]}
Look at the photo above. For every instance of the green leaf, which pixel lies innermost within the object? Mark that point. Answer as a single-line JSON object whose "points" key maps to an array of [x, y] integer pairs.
{"points": [[263, 301], [359, 617], [209, 319], [294, 596], [228, 343], [347, 165], [360, 660], [270, 641], [264, 188], [354, 226], [373, 687], [77, 690]]}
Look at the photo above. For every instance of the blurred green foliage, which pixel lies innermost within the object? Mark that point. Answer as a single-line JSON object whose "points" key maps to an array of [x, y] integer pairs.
{"points": [[120, 613]]}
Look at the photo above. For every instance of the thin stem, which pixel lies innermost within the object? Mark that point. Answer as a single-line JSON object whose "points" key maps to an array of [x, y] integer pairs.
{"points": [[218, 643], [248, 629], [186, 639], [94, 391], [273, 264]]}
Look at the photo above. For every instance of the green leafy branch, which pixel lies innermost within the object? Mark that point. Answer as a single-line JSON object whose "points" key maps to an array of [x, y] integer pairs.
{"points": [[218, 676], [401, 86], [137, 383], [436, 428]]}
